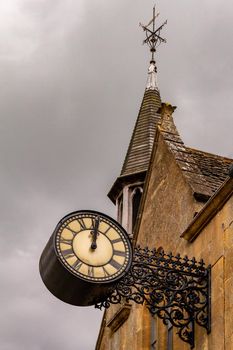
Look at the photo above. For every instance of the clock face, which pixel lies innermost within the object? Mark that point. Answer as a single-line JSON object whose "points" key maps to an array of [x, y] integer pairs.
{"points": [[93, 246]]}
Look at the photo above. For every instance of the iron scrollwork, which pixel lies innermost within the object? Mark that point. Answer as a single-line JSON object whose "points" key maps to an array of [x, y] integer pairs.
{"points": [[175, 289]]}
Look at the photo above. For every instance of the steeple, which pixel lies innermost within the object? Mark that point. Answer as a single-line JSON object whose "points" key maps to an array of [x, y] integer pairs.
{"points": [[140, 146], [127, 190]]}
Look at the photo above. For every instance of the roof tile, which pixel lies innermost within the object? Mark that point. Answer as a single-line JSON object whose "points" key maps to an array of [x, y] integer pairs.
{"points": [[141, 143]]}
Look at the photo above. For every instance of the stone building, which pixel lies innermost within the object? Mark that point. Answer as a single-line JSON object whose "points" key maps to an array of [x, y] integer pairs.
{"points": [[171, 196]]}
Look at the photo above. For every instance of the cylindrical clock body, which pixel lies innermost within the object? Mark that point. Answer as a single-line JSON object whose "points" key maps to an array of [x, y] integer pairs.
{"points": [[85, 257]]}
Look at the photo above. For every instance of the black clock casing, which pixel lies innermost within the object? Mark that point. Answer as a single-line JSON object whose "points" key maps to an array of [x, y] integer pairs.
{"points": [[86, 255]]}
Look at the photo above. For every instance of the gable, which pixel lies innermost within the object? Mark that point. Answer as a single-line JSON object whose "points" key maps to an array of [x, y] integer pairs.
{"points": [[179, 181]]}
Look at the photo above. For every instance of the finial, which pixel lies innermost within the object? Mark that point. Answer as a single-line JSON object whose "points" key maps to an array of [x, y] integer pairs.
{"points": [[152, 78], [153, 38]]}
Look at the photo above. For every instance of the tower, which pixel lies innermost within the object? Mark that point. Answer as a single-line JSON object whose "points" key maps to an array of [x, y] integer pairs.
{"points": [[126, 191]]}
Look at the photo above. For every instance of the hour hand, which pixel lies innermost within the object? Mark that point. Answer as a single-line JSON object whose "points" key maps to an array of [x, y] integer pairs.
{"points": [[95, 233]]}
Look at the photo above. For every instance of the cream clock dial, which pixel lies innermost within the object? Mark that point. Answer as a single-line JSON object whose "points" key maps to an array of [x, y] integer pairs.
{"points": [[93, 246]]}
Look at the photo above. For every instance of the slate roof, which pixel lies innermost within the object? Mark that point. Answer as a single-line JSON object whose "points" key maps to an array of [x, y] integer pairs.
{"points": [[215, 168], [141, 143], [205, 172]]}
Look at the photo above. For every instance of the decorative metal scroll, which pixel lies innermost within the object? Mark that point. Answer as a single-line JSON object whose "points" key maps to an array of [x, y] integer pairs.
{"points": [[175, 289]]}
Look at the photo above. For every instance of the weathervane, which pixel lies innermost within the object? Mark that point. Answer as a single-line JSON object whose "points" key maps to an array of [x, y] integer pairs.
{"points": [[153, 38]]}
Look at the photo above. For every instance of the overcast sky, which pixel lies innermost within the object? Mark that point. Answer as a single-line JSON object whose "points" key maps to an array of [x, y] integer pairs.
{"points": [[72, 76]]}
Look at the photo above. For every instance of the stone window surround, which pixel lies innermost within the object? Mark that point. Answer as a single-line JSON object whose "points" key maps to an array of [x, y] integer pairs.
{"points": [[126, 195]]}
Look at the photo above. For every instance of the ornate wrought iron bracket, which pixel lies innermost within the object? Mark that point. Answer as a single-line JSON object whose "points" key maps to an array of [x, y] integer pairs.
{"points": [[175, 289]]}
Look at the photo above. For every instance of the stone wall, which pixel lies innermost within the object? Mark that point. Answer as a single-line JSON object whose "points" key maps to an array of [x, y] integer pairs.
{"points": [[167, 209]]}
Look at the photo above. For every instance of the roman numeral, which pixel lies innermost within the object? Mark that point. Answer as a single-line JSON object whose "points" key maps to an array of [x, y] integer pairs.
{"points": [[77, 264], [119, 253], [68, 253], [115, 264], [106, 274], [107, 230], [82, 224], [91, 271], [66, 241], [93, 223], [72, 231], [116, 240]]}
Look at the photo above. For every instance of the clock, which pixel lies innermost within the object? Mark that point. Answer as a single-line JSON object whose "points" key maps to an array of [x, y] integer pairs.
{"points": [[92, 246], [85, 256]]}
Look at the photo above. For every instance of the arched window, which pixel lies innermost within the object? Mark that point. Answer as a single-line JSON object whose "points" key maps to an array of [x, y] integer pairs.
{"points": [[136, 198], [128, 204], [120, 209]]}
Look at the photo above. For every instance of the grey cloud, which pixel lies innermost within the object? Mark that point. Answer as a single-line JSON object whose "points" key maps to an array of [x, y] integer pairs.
{"points": [[72, 78]]}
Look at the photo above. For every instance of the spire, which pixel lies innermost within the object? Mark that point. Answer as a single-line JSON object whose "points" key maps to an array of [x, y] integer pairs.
{"points": [[140, 147], [138, 155], [141, 143]]}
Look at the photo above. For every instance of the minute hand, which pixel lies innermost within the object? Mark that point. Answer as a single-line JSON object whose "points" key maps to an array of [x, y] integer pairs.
{"points": [[95, 233]]}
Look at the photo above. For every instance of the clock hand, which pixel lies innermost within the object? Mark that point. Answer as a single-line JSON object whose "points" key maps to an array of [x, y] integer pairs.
{"points": [[95, 233]]}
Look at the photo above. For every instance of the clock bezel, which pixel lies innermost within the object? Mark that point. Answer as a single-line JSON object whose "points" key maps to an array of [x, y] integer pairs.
{"points": [[121, 231]]}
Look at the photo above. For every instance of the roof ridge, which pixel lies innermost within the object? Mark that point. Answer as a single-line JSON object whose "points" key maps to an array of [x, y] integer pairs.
{"points": [[191, 175], [182, 155], [209, 153]]}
